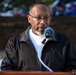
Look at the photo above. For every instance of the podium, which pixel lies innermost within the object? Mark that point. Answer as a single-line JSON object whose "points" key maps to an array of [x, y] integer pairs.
{"points": [[34, 73]]}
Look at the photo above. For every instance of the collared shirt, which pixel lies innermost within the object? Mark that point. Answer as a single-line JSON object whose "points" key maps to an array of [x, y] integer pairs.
{"points": [[37, 41]]}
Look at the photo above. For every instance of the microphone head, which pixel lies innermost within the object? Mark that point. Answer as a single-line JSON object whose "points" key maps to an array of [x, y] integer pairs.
{"points": [[49, 32]]}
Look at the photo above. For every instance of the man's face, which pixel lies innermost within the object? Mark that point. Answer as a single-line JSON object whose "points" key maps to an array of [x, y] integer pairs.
{"points": [[39, 18]]}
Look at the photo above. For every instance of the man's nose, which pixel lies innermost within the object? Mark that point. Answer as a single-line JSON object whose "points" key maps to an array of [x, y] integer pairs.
{"points": [[42, 21]]}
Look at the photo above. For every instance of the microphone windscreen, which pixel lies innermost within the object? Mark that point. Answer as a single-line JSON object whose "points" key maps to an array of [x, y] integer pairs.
{"points": [[49, 32]]}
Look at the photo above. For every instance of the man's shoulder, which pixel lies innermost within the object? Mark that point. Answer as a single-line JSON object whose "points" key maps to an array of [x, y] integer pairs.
{"points": [[20, 36], [16, 37], [62, 37]]}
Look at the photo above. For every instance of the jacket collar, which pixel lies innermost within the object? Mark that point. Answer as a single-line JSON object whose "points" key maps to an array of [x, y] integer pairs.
{"points": [[25, 35]]}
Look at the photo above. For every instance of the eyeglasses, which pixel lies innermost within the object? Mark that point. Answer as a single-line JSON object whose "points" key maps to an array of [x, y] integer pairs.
{"points": [[40, 18]]}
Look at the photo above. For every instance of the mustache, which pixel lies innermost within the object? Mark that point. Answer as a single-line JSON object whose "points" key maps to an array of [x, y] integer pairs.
{"points": [[41, 27]]}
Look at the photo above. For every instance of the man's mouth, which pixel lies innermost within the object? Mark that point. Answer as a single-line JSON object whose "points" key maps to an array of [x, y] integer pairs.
{"points": [[42, 28]]}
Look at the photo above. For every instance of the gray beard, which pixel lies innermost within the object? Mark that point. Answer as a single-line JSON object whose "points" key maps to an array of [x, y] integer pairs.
{"points": [[38, 33]]}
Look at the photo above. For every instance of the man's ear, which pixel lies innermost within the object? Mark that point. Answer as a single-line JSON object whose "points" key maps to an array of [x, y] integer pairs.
{"points": [[29, 18]]}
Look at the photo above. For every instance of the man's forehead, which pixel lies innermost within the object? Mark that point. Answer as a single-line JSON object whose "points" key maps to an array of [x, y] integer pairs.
{"points": [[40, 7]]}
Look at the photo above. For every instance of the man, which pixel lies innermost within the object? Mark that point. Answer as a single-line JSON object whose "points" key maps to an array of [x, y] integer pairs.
{"points": [[26, 52]]}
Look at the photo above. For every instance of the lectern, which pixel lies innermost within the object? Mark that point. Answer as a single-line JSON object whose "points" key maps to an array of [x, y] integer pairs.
{"points": [[34, 73]]}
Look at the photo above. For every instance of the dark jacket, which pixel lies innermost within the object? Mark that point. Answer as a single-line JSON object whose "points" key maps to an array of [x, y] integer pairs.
{"points": [[21, 55]]}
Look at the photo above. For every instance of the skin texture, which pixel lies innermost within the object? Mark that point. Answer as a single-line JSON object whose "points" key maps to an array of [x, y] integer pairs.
{"points": [[40, 10]]}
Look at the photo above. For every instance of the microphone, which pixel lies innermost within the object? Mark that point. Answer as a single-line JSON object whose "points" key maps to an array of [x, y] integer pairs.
{"points": [[49, 35], [49, 32]]}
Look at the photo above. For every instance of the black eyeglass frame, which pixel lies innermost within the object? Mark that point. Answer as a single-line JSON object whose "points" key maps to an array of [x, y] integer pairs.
{"points": [[40, 18]]}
